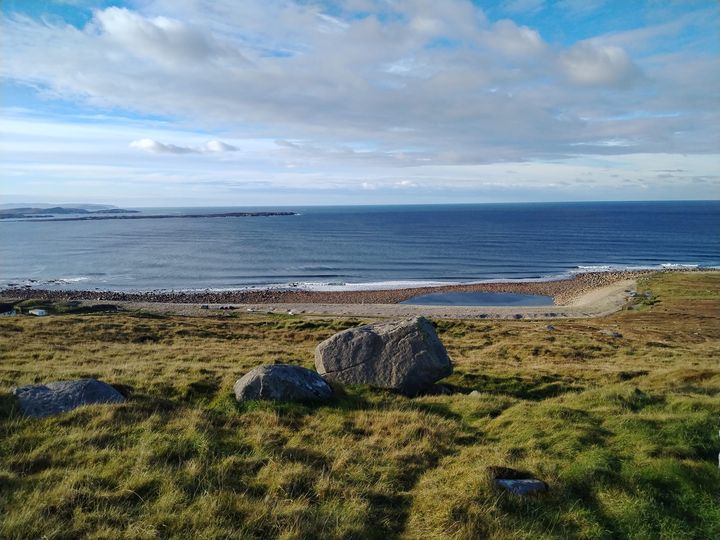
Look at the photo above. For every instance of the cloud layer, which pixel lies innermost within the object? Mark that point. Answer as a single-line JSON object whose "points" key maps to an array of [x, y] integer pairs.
{"points": [[380, 86]]}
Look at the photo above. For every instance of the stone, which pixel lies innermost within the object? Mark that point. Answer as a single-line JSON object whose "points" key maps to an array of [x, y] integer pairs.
{"points": [[550, 328], [522, 486], [41, 400], [282, 382], [405, 356], [475, 393]]}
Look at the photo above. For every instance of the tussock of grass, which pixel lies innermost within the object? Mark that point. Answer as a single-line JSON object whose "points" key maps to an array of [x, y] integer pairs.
{"points": [[624, 431]]}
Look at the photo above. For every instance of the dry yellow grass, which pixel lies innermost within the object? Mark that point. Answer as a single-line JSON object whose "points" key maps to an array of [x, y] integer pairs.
{"points": [[624, 430]]}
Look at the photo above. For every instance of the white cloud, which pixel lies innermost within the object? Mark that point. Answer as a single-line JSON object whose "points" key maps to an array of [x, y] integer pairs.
{"points": [[366, 94], [164, 40], [461, 89], [218, 146], [156, 147], [515, 40], [592, 64], [405, 184]]}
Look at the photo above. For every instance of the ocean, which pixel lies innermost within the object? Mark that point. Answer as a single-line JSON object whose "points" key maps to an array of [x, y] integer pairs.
{"points": [[336, 248]]}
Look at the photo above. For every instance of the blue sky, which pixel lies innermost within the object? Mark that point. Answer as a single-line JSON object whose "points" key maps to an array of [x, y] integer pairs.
{"points": [[199, 102]]}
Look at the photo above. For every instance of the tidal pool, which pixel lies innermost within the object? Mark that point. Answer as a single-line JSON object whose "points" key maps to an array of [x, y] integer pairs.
{"points": [[479, 299]]}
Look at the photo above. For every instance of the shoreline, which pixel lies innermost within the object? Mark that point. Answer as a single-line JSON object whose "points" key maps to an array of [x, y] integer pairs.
{"points": [[594, 303], [591, 294], [563, 291]]}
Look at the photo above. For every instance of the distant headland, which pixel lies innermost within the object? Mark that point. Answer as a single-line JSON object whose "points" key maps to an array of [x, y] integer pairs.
{"points": [[84, 214]]}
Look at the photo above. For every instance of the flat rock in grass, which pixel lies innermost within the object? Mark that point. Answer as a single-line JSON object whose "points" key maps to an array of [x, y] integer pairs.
{"points": [[282, 382], [41, 400], [522, 486], [515, 481], [405, 356]]}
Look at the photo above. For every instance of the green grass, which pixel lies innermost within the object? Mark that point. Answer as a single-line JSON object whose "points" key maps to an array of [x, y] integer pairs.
{"points": [[624, 431]]}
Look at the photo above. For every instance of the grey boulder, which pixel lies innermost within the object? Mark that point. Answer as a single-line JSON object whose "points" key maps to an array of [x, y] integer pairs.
{"points": [[405, 356], [41, 400], [522, 486], [282, 382]]}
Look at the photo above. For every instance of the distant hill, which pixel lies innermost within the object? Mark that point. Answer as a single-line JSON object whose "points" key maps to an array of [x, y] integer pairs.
{"points": [[45, 206], [45, 212]]}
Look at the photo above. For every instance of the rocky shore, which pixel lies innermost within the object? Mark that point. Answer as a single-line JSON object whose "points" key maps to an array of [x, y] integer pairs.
{"points": [[563, 292]]}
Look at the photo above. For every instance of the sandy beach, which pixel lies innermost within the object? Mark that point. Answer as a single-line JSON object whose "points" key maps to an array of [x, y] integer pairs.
{"points": [[584, 295], [593, 303]]}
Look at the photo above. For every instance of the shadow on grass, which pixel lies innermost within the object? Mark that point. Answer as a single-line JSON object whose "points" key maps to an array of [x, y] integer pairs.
{"points": [[535, 389], [8, 407]]}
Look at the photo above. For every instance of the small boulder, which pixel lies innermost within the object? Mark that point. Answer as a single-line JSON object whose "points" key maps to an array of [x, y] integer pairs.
{"points": [[522, 486], [282, 382], [41, 400], [405, 356], [515, 481]]}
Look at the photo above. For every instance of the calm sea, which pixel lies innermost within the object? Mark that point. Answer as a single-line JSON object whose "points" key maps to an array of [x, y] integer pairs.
{"points": [[357, 247]]}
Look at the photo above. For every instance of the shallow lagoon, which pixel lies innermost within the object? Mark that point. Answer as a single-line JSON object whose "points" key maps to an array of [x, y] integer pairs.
{"points": [[479, 299]]}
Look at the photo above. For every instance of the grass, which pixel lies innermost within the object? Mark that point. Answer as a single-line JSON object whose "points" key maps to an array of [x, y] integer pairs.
{"points": [[624, 430]]}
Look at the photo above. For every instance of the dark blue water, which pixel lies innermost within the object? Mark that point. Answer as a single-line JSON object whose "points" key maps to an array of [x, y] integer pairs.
{"points": [[479, 299], [338, 247]]}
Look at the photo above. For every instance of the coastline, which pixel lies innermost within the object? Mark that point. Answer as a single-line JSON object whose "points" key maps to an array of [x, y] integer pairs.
{"points": [[590, 294], [563, 292], [596, 302]]}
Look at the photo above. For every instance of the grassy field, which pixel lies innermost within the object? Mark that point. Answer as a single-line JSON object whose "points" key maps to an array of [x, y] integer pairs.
{"points": [[624, 430]]}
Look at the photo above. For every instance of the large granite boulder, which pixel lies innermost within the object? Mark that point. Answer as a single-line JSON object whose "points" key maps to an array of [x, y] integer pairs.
{"points": [[40, 400], [404, 356], [282, 382]]}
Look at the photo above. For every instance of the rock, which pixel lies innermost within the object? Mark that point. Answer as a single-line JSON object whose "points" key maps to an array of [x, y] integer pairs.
{"points": [[514, 481], [612, 334], [549, 328], [404, 356], [523, 486], [282, 382], [475, 393], [40, 400]]}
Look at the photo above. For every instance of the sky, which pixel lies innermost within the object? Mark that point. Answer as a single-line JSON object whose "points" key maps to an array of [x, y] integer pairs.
{"points": [[266, 102]]}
